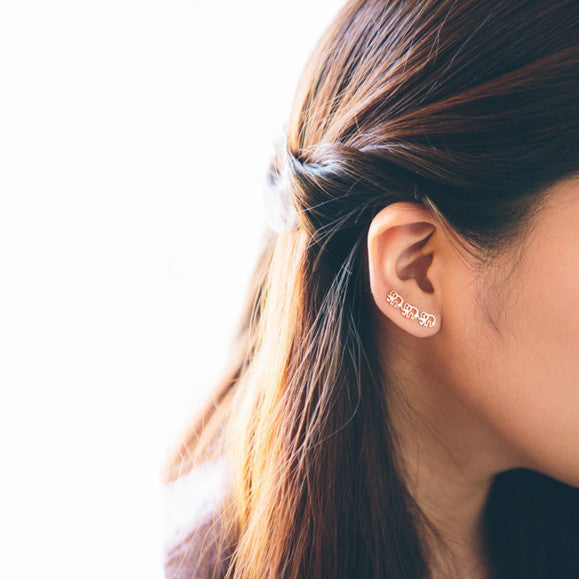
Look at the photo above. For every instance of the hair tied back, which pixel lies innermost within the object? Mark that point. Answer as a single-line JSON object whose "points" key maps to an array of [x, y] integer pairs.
{"points": [[280, 212]]}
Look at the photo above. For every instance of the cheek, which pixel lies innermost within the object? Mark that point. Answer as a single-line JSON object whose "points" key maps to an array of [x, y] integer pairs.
{"points": [[530, 375]]}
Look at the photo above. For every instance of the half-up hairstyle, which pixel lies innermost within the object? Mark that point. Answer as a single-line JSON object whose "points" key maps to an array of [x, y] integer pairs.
{"points": [[470, 108]]}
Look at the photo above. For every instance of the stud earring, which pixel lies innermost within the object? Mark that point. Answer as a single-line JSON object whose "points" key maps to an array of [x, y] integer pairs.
{"points": [[410, 312]]}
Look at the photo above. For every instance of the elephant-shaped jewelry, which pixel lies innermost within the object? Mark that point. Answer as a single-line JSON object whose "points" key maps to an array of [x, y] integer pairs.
{"points": [[395, 299], [427, 320], [409, 311]]}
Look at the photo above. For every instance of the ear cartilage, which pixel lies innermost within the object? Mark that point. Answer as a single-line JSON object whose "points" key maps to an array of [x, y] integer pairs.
{"points": [[410, 312]]}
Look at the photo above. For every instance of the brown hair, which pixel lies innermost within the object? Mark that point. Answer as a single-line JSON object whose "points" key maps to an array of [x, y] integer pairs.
{"points": [[469, 107]]}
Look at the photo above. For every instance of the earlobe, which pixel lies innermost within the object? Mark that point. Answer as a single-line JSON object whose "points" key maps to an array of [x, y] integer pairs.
{"points": [[401, 251]]}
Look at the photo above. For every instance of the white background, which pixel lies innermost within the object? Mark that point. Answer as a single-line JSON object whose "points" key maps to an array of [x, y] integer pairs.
{"points": [[134, 138]]}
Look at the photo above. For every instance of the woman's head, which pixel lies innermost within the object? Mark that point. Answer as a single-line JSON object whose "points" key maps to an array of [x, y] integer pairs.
{"points": [[442, 137], [432, 151]]}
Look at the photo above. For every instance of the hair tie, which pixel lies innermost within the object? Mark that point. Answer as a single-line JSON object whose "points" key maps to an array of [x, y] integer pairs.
{"points": [[280, 213]]}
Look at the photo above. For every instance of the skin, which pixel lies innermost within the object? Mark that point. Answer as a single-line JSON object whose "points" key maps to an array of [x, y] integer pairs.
{"points": [[494, 385]]}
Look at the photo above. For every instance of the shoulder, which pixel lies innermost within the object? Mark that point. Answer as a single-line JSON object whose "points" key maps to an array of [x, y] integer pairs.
{"points": [[192, 507]]}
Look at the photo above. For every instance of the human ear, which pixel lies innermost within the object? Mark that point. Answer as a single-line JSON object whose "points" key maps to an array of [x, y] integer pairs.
{"points": [[402, 267]]}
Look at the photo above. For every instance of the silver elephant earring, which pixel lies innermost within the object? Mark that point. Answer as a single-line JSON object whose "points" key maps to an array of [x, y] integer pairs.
{"points": [[410, 312]]}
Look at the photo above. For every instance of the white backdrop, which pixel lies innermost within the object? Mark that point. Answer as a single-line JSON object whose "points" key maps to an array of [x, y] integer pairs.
{"points": [[134, 137]]}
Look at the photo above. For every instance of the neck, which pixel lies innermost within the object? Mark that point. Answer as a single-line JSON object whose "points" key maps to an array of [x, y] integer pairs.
{"points": [[448, 458], [453, 500]]}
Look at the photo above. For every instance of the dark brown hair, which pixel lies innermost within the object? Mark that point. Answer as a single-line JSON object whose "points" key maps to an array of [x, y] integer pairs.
{"points": [[469, 107]]}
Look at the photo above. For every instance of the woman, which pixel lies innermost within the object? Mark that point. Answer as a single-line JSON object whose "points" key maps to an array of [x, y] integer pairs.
{"points": [[403, 396]]}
